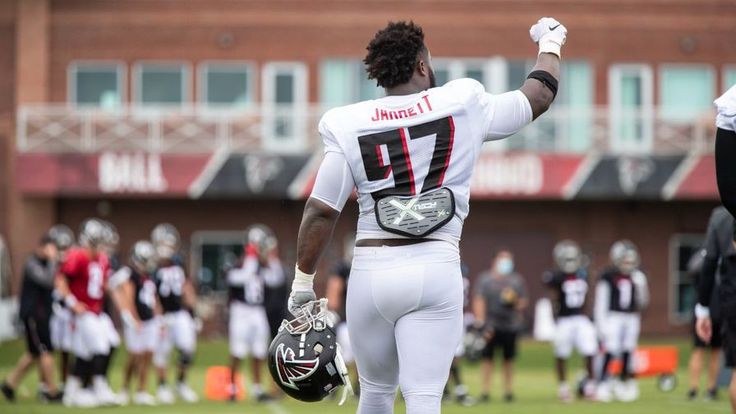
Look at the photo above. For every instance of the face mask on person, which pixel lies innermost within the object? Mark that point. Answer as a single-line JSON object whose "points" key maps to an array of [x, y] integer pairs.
{"points": [[504, 266]]}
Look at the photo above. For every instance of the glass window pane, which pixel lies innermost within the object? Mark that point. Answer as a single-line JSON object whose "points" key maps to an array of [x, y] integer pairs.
{"points": [[516, 74], [368, 87], [729, 78], [476, 74], [442, 76], [97, 86], [227, 86], [685, 92], [631, 92], [284, 88], [161, 85]]}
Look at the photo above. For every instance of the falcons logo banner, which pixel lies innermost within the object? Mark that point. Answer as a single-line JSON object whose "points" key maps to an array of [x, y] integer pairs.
{"points": [[293, 370]]}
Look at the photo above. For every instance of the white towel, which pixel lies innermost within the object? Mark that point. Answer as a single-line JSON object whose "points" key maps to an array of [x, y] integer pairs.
{"points": [[726, 105]]}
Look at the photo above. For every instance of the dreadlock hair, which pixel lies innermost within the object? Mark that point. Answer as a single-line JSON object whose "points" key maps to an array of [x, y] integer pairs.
{"points": [[392, 54]]}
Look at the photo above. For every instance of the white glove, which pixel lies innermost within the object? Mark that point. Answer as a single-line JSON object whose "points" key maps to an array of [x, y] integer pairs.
{"points": [[302, 291], [549, 34]]}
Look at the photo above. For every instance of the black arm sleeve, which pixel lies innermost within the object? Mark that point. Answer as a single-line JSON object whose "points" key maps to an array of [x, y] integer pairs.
{"points": [[726, 168], [710, 261], [40, 274]]}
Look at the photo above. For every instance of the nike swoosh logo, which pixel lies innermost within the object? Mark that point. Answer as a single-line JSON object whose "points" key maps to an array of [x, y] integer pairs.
{"points": [[553, 28]]}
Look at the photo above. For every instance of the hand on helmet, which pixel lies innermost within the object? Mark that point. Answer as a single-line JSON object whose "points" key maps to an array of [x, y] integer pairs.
{"points": [[302, 292]]}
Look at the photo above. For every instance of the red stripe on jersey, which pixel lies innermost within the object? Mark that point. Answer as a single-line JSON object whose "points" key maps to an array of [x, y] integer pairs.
{"points": [[449, 150], [381, 163], [402, 131]]}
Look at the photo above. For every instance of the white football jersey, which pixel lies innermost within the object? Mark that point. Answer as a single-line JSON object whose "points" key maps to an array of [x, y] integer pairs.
{"points": [[410, 144]]}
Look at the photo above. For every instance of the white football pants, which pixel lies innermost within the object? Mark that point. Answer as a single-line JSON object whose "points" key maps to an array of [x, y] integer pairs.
{"points": [[405, 320]]}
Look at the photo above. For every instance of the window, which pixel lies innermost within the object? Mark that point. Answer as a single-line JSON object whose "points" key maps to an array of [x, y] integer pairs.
{"points": [[567, 125], [285, 103], [682, 286], [226, 84], [345, 81], [96, 84], [161, 83], [482, 70], [212, 252], [630, 105], [685, 91], [729, 77]]}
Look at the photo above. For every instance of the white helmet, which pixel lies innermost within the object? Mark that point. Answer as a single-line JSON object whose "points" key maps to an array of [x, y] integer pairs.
{"points": [[625, 256], [567, 256], [62, 236], [143, 256], [262, 236], [165, 233], [93, 233]]}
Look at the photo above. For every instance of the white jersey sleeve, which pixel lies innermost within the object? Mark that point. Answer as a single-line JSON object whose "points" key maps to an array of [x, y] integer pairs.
{"points": [[726, 106]]}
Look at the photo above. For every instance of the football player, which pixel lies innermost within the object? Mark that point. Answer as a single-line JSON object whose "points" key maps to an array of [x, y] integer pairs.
{"points": [[61, 319], [724, 247], [620, 295], [110, 248], [135, 295], [569, 283], [249, 332], [411, 155], [177, 297], [82, 281]]}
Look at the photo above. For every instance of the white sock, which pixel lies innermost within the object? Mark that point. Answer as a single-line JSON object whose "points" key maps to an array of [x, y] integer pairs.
{"points": [[257, 390]]}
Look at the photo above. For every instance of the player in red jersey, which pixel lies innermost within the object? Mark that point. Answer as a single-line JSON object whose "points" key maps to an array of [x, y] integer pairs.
{"points": [[82, 281]]}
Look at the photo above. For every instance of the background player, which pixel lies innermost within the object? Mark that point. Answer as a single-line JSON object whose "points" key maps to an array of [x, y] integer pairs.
{"points": [[82, 283], [135, 295], [499, 302], [35, 313], [574, 329], [177, 296], [705, 352], [621, 294], [405, 301], [248, 329], [61, 319]]}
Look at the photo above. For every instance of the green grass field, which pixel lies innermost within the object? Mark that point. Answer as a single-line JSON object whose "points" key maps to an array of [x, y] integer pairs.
{"points": [[535, 391]]}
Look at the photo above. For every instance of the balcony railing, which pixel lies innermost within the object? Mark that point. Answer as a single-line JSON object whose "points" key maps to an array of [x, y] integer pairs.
{"points": [[61, 128]]}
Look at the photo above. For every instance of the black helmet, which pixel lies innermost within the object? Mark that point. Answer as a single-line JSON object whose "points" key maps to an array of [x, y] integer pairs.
{"points": [[62, 235], [304, 357]]}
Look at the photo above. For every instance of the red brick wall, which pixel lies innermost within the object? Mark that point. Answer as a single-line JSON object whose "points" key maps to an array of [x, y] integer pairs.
{"points": [[601, 31]]}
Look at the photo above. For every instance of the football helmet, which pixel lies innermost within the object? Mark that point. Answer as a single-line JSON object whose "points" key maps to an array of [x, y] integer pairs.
{"points": [[567, 256], [262, 237], [93, 233], [143, 256], [62, 236], [166, 240], [625, 256], [305, 359]]}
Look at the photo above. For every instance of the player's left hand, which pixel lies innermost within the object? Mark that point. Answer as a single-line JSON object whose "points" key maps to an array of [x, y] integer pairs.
{"points": [[549, 34], [704, 329]]}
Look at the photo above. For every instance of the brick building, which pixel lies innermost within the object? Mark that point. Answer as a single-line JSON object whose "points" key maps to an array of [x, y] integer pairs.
{"points": [[203, 113]]}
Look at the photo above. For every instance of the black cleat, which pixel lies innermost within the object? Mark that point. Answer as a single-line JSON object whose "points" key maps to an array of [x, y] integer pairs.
{"points": [[692, 394], [508, 397], [712, 394], [264, 398], [8, 392], [484, 398], [47, 397]]}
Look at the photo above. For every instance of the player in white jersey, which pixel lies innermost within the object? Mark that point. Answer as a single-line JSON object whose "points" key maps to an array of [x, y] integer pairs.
{"points": [[410, 155]]}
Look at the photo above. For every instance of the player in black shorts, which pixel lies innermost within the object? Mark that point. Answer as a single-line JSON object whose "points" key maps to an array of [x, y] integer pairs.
{"points": [[35, 313], [720, 256], [700, 347]]}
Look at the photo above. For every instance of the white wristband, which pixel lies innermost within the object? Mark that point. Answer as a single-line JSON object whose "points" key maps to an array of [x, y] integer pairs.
{"points": [[302, 281], [70, 300], [127, 318], [547, 45], [701, 311]]}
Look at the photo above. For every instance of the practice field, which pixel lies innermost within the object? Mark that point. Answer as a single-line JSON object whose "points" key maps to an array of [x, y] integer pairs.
{"points": [[535, 391]]}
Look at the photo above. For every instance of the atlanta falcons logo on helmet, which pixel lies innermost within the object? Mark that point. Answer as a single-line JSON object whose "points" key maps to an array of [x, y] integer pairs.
{"points": [[293, 370]]}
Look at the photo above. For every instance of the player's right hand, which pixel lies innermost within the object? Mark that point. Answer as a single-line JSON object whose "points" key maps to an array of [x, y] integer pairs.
{"points": [[79, 308], [549, 34], [704, 329], [297, 299]]}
